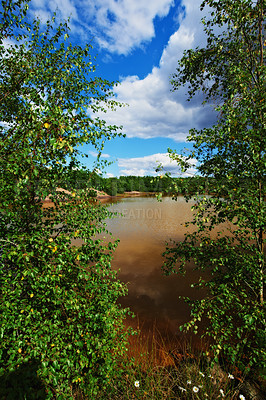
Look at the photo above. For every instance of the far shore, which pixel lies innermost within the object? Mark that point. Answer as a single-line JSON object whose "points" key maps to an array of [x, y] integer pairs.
{"points": [[100, 195]]}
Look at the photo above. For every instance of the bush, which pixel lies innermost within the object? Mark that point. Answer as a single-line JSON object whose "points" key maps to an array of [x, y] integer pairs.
{"points": [[61, 328]]}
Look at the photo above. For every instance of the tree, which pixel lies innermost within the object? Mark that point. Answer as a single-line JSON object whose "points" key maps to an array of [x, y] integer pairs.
{"points": [[229, 240], [60, 321]]}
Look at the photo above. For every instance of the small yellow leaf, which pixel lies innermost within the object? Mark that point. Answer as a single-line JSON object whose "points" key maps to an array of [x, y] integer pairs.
{"points": [[20, 350], [46, 125]]}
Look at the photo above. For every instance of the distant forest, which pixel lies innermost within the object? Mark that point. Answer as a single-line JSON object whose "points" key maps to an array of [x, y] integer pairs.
{"points": [[79, 179]]}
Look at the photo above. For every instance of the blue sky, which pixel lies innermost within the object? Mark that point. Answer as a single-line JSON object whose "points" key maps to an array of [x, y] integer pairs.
{"points": [[139, 43]]}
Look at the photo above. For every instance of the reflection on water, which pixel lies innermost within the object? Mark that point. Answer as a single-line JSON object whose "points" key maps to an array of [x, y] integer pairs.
{"points": [[146, 216], [143, 230]]}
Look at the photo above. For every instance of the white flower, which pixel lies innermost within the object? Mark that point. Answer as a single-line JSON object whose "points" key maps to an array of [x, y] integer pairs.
{"points": [[201, 373], [231, 376], [195, 389], [182, 389], [242, 397], [222, 392], [189, 382], [136, 383]]}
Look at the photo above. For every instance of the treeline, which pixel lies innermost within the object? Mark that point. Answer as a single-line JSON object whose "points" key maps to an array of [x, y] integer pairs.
{"points": [[80, 179], [146, 184], [165, 184]]}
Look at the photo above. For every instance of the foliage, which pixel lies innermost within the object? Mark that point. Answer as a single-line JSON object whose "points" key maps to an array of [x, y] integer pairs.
{"points": [[154, 184], [229, 241], [60, 322], [158, 368], [76, 179]]}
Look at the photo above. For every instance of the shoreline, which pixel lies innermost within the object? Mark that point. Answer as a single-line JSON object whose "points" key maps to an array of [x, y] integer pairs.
{"points": [[100, 195]]}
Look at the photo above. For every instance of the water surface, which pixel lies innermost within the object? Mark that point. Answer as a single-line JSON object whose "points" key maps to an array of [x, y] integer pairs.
{"points": [[143, 230]]}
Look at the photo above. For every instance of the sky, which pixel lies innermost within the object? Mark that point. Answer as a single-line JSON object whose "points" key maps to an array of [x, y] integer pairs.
{"points": [[139, 43]]}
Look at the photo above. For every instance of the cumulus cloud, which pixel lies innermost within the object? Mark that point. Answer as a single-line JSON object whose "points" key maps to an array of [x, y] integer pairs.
{"points": [[154, 110], [64, 8], [109, 175], [95, 154], [117, 25], [146, 165], [125, 24], [120, 26]]}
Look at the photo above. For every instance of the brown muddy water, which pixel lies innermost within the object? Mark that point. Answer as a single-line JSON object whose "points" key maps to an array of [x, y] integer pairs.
{"points": [[143, 229]]}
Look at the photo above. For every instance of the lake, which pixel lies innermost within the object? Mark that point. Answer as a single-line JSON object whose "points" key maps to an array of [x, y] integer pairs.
{"points": [[143, 229]]}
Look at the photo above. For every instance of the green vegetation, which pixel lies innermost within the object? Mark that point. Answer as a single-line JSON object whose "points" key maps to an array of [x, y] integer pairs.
{"points": [[229, 241], [83, 179], [170, 370], [159, 184], [62, 333], [61, 329]]}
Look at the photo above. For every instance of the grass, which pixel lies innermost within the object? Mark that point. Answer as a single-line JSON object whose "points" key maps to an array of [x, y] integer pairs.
{"points": [[158, 368]]}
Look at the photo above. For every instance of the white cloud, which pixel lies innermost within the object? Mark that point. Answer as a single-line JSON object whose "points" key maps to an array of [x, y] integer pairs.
{"points": [[120, 26], [146, 165], [155, 111], [117, 25], [126, 24], [64, 8], [109, 175], [95, 154]]}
